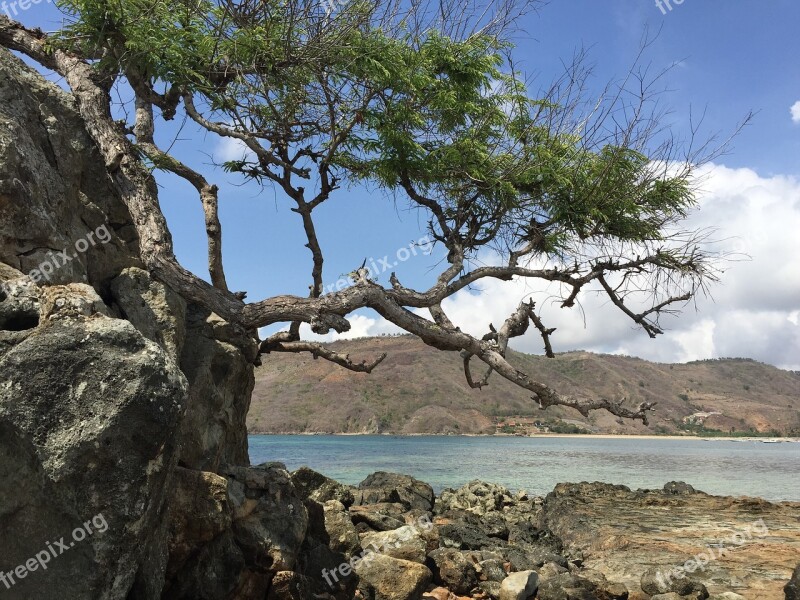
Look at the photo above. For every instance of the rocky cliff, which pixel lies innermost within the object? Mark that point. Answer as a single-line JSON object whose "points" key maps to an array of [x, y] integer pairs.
{"points": [[123, 446]]}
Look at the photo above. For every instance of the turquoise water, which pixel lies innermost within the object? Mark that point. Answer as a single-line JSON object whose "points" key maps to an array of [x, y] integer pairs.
{"points": [[740, 468]]}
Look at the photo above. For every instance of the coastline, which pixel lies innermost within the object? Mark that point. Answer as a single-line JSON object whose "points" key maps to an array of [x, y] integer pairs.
{"points": [[596, 436]]}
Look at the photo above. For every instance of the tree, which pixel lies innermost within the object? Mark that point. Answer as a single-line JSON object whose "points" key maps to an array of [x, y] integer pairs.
{"points": [[428, 107]]}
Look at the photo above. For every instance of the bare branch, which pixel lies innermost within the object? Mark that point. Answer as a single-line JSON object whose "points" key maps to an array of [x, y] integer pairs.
{"points": [[320, 351]]}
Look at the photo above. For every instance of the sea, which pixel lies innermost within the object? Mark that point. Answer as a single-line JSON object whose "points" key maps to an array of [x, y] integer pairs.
{"points": [[536, 464]]}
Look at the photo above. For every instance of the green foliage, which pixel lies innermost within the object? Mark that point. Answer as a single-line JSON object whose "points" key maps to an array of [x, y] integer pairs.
{"points": [[566, 428], [449, 117]]}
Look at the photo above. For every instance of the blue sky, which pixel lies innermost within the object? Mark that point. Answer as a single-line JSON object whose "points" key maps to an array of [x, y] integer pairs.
{"points": [[730, 58]]}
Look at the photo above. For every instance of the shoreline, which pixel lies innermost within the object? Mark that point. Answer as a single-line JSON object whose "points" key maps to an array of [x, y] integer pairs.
{"points": [[596, 436]]}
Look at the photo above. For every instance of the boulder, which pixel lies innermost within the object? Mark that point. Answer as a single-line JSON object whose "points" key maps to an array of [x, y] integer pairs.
{"points": [[331, 541], [153, 308], [454, 569], [340, 532], [519, 586], [316, 486], [405, 542], [271, 519], [213, 573], [89, 414], [678, 488], [385, 578], [392, 487]]}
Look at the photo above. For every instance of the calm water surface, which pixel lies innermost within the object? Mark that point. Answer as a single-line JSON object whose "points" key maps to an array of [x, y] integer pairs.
{"points": [[740, 468]]}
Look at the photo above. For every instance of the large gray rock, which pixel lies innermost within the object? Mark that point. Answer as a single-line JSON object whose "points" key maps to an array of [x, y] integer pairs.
{"points": [[229, 536], [89, 410], [340, 532], [331, 541], [392, 487], [94, 411]]}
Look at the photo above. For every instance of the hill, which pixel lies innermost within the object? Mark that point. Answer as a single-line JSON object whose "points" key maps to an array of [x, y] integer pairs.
{"points": [[418, 389]]}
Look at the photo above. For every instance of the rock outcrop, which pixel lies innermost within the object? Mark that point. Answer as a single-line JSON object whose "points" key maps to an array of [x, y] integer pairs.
{"points": [[88, 411], [110, 381], [677, 540]]}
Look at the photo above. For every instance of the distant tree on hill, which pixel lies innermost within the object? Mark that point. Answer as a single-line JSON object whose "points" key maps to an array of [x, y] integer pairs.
{"points": [[421, 100]]}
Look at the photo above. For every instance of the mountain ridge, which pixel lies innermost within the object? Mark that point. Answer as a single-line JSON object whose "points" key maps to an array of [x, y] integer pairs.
{"points": [[419, 390]]}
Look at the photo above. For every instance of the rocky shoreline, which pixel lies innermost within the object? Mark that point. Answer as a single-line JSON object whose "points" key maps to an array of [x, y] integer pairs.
{"points": [[596, 436], [391, 538]]}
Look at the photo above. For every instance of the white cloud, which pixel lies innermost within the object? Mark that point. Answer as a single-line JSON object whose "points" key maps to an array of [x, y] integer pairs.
{"points": [[795, 110], [232, 149], [753, 312], [360, 326]]}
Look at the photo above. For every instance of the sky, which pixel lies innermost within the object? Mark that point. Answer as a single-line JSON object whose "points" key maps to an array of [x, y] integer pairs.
{"points": [[726, 59]]}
